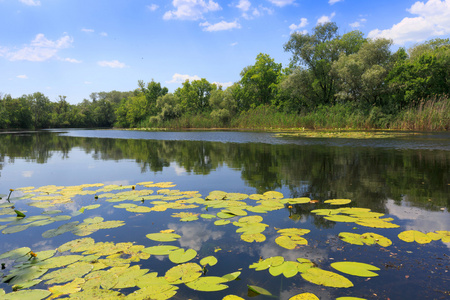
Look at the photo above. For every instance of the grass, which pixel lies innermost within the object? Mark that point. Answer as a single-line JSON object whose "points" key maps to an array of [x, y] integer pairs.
{"points": [[430, 115]]}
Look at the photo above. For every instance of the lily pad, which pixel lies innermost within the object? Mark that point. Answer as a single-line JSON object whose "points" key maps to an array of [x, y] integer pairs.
{"points": [[27, 294], [163, 237], [326, 278], [258, 290], [184, 273], [304, 296], [410, 236], [76, 270], [338, 201], [180, 256], [160, 250], [208, 284], [209, 260], [16, 253], [356, 268]]}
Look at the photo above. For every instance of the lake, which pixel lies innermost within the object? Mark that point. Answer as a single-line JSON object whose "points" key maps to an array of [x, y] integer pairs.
{"points": [[226, 195]]}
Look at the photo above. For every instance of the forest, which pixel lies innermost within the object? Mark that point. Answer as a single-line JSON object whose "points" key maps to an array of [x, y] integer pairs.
{"points": [[332, 81]]}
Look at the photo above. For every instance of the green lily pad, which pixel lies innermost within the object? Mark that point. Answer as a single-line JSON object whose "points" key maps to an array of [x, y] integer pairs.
{"points": [[59, 261], [222, 222], [23, 275], [258, 290], [267, 263], [163, 237], [184, 273], [376, 223], [154, 292], [16, 253], [25, 285], [367, 238], [207, 216], [208, 284], [14, 229], [410, 236], [289, 243], [76, 270], [326, 278], [338, 201], [60, 230], [231, 276], [287, 268], [232, 297], [27, 294], [209, 260], [180, 256], [356, 268], [304, 296], [253, 237], [160, 250]]}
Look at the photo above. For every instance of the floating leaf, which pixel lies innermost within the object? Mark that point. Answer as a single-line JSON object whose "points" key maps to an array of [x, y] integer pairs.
{"points": [[154, 292], [338, 201], [304, 296], [78, 245], [16, 253], [180, 256], [60, 230], [255, 237], [290, 243], [414, 236], [27, 294], [273, 195], [222, 222], [14, 229], [59, 261], [160, 250], [267, 263], [231, 276], [367, 238], [287, 268], [76, 270], [208, 284], [258, 290], [69, 288], [209, 260], [376, 223], [207, 216], [355, 268], [184, 273], [232, 297], [163, 237], [326, 278]]}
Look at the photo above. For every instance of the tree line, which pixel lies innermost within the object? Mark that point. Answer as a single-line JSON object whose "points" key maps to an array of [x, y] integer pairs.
{"points": [[326, 69]]}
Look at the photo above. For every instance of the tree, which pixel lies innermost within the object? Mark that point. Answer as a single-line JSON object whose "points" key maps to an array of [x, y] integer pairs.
{"points": [[259, 82], [361, 75], [169, 107], [41, 108], [316, 52], [223, 104], [194, 96]]}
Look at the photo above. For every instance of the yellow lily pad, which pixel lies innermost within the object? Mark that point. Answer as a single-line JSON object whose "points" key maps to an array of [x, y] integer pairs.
{"points": [[410, 236], [355, 268], [326, 278]]}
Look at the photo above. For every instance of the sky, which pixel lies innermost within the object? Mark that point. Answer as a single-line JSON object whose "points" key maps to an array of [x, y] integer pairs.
{"points": [[73, 48]]}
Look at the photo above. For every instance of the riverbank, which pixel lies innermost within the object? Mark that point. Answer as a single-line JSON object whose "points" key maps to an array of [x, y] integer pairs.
{"points": [[432, 115]]}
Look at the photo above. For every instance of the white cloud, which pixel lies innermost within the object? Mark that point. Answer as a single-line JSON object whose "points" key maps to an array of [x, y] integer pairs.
{"points": [[111, 64], [103, 34], [87, 82], [325, 19], [224, 85], [222, 25], [233, 44], [152, 7], [31, 2], [331, 2], [303, 23], [22, 77], [282, 3], [87, 30], [72, 60], [256, 12], [433, 19], [180, 78], [190, 9], [358, 23], [40, 49], [244, 5]]}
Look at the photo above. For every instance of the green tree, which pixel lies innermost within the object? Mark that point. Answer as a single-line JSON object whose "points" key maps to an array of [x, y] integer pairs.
{"points": [[223, 104], [169, 108], [361, 75], [194, 96], [259, 82], [317, 51], [41, 109]]}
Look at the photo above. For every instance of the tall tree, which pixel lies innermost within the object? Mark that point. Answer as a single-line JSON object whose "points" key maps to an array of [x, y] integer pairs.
{"points": [[259, 81]]}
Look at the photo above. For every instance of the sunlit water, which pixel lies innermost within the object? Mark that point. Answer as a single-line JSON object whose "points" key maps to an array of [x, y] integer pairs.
{"points": [[406, 178]]}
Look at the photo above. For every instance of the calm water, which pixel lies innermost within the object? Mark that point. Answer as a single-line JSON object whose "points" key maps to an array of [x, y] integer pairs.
{"points": [[406, 178]]}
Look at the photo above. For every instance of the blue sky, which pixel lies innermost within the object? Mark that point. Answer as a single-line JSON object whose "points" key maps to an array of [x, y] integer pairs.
{"points": [[76, 47]]}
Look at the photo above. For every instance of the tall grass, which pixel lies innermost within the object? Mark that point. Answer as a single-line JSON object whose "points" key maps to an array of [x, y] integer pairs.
{"points": [[430, 115]]}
